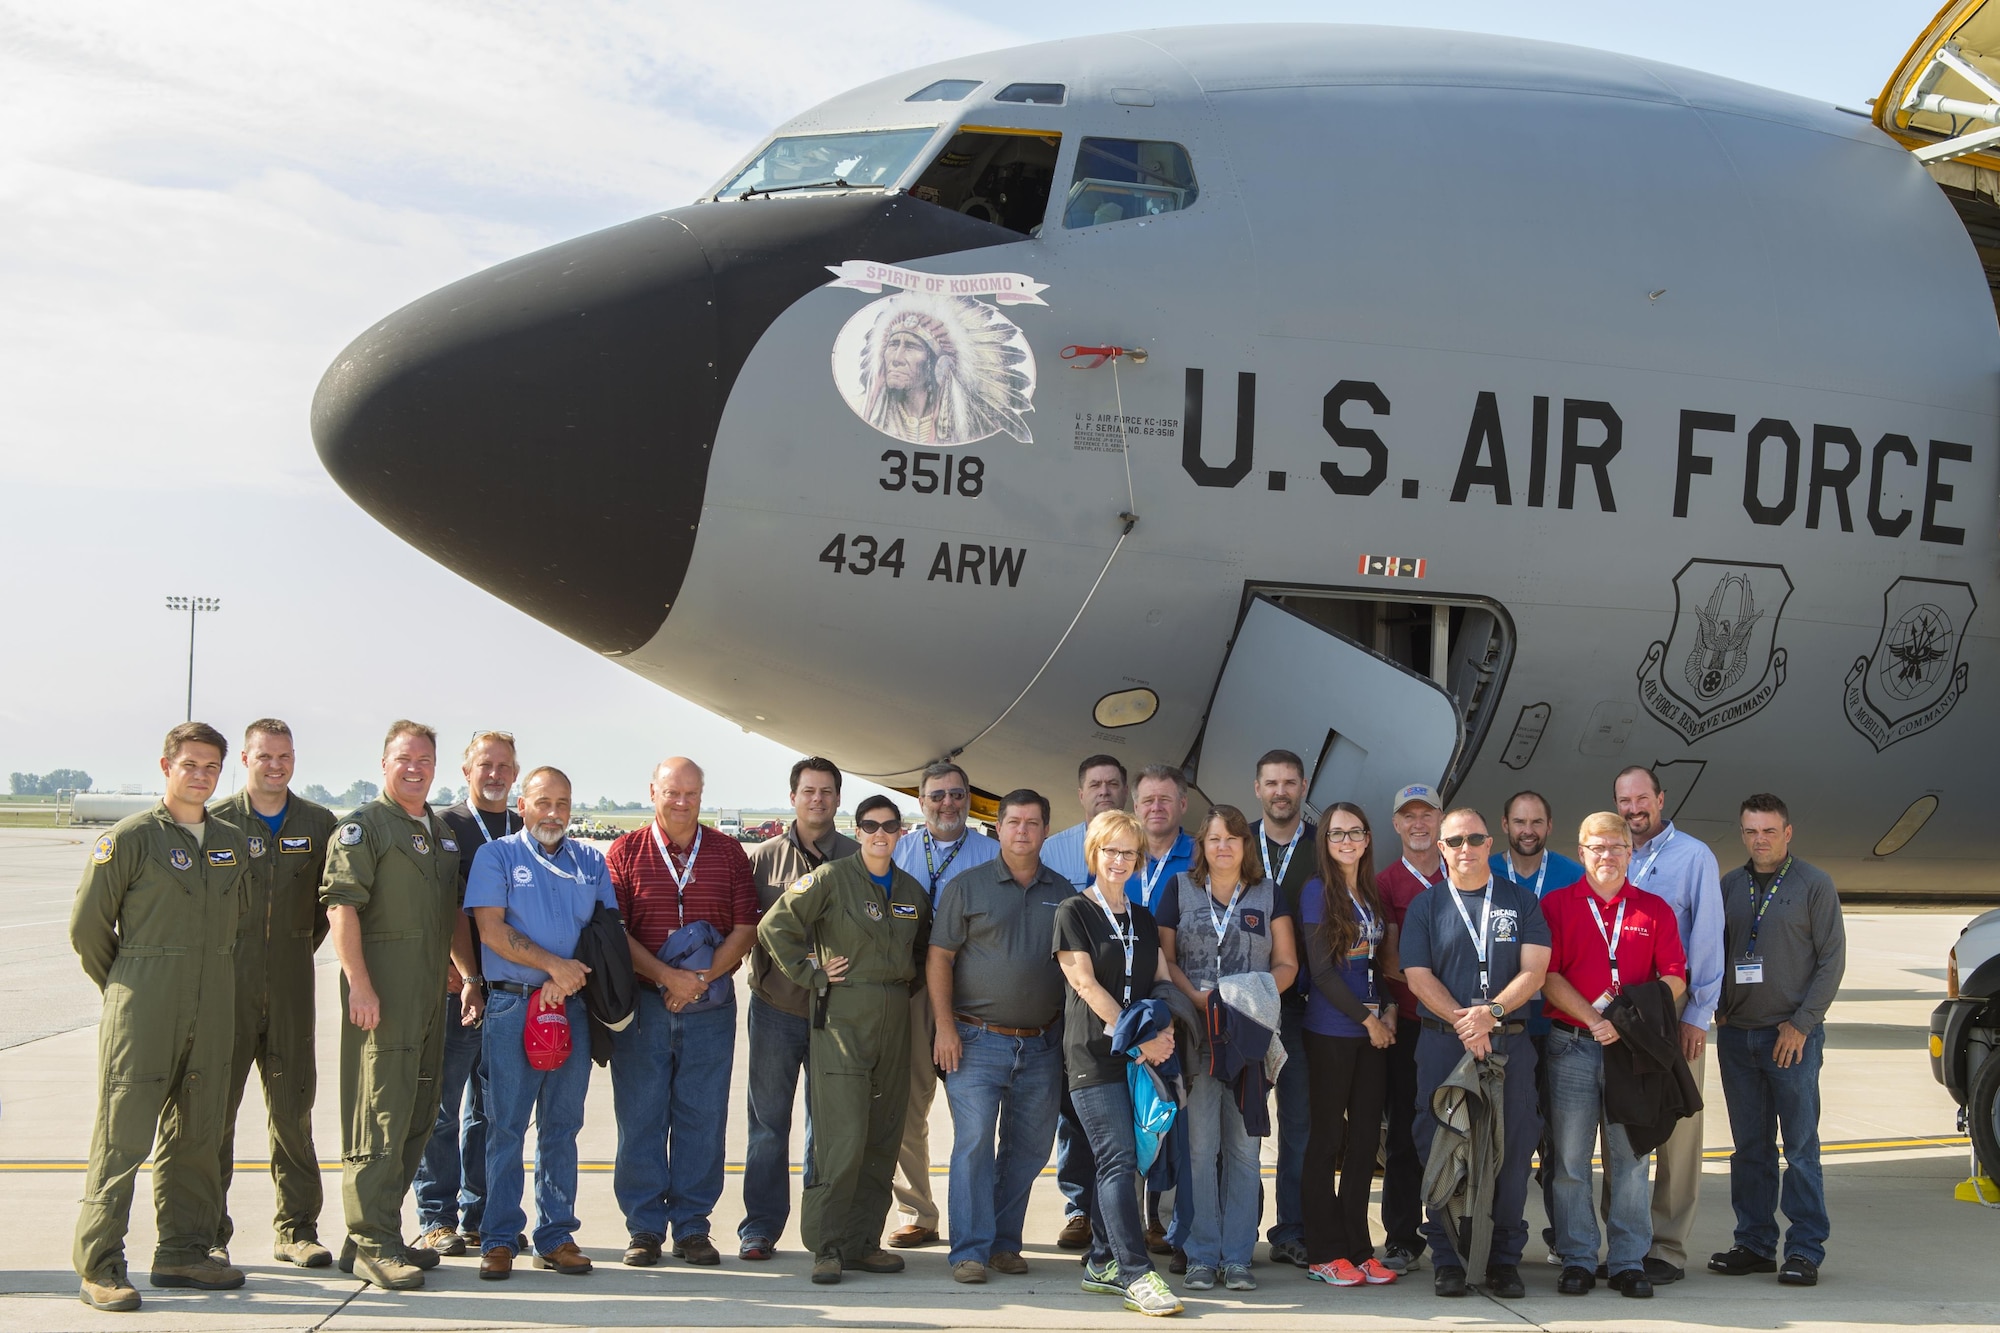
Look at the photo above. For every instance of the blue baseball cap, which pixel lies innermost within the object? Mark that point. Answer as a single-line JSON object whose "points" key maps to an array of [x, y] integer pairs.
{"points": [[1417, 791]]}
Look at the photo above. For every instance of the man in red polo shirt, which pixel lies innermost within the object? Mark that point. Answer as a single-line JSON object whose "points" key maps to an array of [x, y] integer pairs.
{"points": [[690, 908], [1417, 812], [1605, 936]]}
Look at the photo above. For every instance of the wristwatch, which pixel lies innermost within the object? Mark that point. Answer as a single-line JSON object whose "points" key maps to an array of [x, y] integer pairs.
{"points": [[1498, 1010]]}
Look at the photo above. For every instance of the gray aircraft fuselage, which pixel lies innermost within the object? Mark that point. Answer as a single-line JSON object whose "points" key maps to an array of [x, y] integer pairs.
{"points": [[1617, 363]]}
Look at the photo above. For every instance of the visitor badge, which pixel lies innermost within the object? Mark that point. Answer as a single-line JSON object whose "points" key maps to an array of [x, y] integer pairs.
{"points": [[1603, 1002], [1749, 971], [1374, 1011]]}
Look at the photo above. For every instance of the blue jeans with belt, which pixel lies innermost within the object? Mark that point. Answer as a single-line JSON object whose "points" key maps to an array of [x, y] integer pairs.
{"points": [[1576, 1118], [670, 1088], [451, 1178], [1003, 1098], [515, 1090], [1765, 1102]]}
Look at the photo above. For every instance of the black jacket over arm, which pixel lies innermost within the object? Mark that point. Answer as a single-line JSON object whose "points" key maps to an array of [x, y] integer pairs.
{"points": [[1647, 1083]]}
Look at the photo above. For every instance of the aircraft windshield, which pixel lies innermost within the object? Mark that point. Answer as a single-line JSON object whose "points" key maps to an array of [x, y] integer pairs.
{"points": [[861, 159]]}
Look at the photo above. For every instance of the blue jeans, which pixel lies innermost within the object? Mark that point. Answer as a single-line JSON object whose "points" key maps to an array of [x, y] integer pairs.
{"points": [[514, 1090], [1438, 1053], [1076, 1172], [1764, 1101], [1010, 1087], [451, 1179], [1220, 1197], [1294, 1125], [670, 1088], [1576, 1107], [777, 1055], [1117, 1232]]}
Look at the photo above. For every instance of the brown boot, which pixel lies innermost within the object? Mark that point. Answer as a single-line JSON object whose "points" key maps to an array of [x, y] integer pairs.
{"points": [[441, 1240], [497, 1264], [306, 1253], [204, 1274], [108, 1289], [391, 1272], [565, 1258]]}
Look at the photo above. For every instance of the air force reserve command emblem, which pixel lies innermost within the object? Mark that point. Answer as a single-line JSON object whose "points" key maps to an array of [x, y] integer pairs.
{"points": [[1721, 663], [1913, 678], [256, 846], [179, 859]]}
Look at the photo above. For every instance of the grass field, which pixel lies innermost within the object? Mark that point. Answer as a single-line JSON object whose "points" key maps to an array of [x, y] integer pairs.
{"points": [[27, 816]]}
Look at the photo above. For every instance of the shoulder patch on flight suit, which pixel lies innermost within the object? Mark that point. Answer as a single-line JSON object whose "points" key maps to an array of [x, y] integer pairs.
{"points": [[256, 846], [101, 853], [294, 845], [417, 841], [224, 857], [904, 911], [179, 859], [804, 882], [349, 835]]}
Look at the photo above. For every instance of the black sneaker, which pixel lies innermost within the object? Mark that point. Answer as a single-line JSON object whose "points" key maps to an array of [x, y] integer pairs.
{"points": [[1575, 1281], [1799, 1271], [1660, 1272], [1401, 1259], [1737, 1260], [1505, 1280], [1449, 1280], [1289, 1252], [698, 1250], [1632, 1282]]}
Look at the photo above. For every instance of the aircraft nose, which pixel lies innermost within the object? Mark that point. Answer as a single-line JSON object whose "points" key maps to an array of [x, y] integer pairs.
{"points": [[545, 427]]}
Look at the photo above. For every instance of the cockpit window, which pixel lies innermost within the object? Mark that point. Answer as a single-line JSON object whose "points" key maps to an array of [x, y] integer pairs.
{"points": [[1037, 94], [857, 160], [944, 90], [1116, 179], [994, 174]]}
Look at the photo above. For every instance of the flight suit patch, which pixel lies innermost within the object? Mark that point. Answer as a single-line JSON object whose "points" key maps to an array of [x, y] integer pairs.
{"points": [[294, 845], [423, 847], [256, 846], [903, 911], [804, 882], [225, 857], [349, 835], [874, 910], [101, 853], [179, 859], [447, 844]]}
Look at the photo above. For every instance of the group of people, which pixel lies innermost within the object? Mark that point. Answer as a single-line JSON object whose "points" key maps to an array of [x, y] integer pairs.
{"points": [[1145, 1002]]}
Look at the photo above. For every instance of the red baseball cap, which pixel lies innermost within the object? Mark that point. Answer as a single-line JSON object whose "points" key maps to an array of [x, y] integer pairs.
{"points": [[546, 1036]]}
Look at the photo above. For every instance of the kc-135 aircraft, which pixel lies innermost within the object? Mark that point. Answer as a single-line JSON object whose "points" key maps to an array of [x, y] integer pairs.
{"points": [[1442, 407]]}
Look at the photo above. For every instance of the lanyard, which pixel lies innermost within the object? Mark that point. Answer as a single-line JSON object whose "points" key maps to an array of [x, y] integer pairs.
{"points": [[549, 863], [1757, 918], [1264, 849], [682, 875], [1647, 869], [1614, 937], [1366, 919], [1127, 939], [1221, 925], [1479, 935], [931, 865], [479, 822], [1540, 875], [1149, 879], [1417, 875]]}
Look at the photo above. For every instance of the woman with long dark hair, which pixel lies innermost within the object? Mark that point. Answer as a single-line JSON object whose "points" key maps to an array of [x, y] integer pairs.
{"points": [[1349, 1026]]}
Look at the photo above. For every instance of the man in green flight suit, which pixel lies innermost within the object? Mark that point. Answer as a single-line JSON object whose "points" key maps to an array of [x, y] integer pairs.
{"points": [[854, 932], [282, 926], [155, 924], [391, 895]]}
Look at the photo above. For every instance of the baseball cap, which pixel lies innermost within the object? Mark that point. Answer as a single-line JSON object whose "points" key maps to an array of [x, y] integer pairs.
{"points": [[545, 1038], [1417, 791]]}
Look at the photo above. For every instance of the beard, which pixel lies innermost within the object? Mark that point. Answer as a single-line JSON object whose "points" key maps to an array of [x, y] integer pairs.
{"points": [[1526, 844], [549, 835]]}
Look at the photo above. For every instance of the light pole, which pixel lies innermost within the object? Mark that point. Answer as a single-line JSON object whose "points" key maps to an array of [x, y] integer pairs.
{"points": [[192, 605]]}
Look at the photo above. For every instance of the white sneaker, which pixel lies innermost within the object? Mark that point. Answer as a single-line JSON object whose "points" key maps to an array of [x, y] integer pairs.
{"points": [[1150, 1295]]}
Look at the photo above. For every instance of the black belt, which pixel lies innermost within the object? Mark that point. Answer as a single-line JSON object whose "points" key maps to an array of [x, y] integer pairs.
{"points": [[512, 987], [1509, 1029]]}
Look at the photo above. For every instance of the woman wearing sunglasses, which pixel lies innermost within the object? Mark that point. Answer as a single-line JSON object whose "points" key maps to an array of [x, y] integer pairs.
{"points": [[1350, 1025], [1109, 950]]}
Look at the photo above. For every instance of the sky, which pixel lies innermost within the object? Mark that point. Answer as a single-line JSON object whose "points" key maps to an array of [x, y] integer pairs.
{"points": [[201, 203]]}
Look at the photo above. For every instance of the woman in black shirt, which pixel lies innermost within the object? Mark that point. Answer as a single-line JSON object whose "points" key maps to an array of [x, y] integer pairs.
{"points": [[1109, 949]]}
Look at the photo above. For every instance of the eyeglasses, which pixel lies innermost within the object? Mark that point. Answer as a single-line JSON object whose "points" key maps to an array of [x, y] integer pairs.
{"points": [[1117, 854], [879, 825], [943, 794], [1347, 835], [1604, 851], [1457, 840]]}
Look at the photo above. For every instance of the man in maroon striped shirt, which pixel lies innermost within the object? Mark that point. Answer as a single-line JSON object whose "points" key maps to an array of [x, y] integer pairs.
{"points": [[670, 1068]]}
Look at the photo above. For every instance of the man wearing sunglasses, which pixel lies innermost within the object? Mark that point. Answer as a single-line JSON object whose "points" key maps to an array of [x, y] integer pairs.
{"points": [[854, 933], [1474, 949], [941, 848]]}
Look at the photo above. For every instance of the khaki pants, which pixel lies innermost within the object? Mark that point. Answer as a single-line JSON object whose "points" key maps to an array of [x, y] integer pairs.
{"points": [[1677, 1181], [913, 1159]]}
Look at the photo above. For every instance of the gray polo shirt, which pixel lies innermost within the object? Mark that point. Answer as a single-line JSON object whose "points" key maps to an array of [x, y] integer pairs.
{"points": [[1802, 941], [1004, 971]]}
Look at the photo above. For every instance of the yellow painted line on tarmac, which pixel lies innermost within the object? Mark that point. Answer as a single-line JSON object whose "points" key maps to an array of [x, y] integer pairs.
{"points": [[1844, 1146]]}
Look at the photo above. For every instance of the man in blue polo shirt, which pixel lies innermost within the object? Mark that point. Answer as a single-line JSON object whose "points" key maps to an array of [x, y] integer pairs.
{"points": [[1160, 800], [531, 893], [1527, 822]]}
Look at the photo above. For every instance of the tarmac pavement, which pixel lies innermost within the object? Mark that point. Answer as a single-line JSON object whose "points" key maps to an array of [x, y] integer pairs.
{"points": [[1903, 1253]]}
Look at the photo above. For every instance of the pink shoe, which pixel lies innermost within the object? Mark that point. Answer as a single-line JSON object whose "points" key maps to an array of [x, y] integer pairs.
{"points": [[1375, 1274], [1338, 1273]]}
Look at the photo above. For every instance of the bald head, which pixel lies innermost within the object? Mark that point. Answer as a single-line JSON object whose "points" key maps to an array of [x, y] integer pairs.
{"points": [[676, 795]]}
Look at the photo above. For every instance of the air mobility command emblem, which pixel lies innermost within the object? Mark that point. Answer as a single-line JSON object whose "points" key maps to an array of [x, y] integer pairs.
{"points": [[349, 835], [101, 853], [1720, 664], [179, 859], [1913, 679]]}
